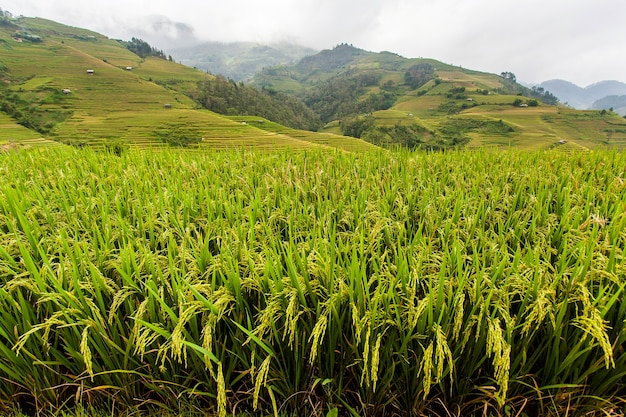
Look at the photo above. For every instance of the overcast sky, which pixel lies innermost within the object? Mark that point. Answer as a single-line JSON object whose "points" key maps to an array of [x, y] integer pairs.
{"points": [[583, 41]]}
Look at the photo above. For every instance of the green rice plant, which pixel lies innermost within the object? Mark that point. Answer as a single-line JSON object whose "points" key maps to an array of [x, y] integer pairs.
{"points": [[276, 282]]}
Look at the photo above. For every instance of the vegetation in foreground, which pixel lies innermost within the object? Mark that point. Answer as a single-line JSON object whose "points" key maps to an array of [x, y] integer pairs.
{"points": [[311, 283]]}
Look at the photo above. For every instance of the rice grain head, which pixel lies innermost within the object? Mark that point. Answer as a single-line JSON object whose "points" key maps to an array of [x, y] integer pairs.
{"points": [[375, 361], [260, 380], [319, 330], [366, 353], [221, 391], [85, 351], [427, 369], [500, 350]]}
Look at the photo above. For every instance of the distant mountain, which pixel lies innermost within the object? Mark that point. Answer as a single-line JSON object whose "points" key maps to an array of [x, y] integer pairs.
{"points": [[583, 98], [239, 61], [160, 31], [390, 100], [66, 85], [347, 81], [617, 103]]}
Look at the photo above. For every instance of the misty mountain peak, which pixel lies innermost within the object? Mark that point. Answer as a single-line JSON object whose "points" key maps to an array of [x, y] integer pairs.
{"points": [[583, 98]]}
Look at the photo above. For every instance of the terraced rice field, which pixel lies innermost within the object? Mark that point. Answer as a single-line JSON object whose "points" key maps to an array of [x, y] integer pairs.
{"points": [[136, 107], [327, 140]]}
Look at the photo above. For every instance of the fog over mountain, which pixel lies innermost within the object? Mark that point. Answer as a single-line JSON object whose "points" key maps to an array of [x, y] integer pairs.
{"points": [[578, 40], [165, 32], [239, 61], [584, 98]]}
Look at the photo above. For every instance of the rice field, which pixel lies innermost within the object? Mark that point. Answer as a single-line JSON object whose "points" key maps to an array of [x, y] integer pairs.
{"points": [[313, 283]]}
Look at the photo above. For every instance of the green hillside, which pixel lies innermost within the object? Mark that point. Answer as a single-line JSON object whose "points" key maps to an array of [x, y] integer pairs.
{"points": [[388, 100], [74, 86], [69, 85]]}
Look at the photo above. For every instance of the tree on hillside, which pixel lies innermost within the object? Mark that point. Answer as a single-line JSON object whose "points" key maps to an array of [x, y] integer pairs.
{"points": [[143, 49], [545, 96], [225, 96], [5, 17], [329, 60], [418, 75], [347, 95], [507, 75]]}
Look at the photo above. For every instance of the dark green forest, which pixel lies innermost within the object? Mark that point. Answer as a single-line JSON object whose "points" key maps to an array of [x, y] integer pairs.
{"points": [[144, 49], [230, 98], [342, 96]]}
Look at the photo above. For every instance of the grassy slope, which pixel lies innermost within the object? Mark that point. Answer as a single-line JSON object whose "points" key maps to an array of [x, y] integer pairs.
{"points": [[16, 134], [323, 139], [116, 104], [534, 127], [120, 105]]}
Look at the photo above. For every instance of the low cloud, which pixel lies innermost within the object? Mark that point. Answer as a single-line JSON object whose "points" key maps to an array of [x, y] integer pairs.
{"points": [[576, 40]]}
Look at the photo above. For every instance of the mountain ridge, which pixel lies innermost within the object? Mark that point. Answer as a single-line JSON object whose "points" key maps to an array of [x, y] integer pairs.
{"points": [[67, 85], [239, 61], [80, 88], [390, 100], [583, 98]]}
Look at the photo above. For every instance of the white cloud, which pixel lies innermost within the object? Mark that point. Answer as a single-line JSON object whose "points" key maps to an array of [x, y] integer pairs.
{"points": [[578, 40]]}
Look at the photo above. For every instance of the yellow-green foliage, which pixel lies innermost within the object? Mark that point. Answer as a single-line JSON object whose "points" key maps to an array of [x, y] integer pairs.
{"points": [[541, 127], [12, 132], [380, 283], [116, 105], [325, 140], [119, 105]]}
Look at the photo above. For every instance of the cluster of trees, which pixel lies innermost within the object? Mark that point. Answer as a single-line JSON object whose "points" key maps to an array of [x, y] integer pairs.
{"points": [[544, 95], [27, 36], [356, 126], [342, 96], [31, 114], [5, 15], [509, 76], [457, 93], [330, 60], [511, 87], [518, 102], [225, 96], [418, 75], [407, 136], [143, 49]]}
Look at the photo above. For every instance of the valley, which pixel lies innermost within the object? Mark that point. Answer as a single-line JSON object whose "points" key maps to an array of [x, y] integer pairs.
{"points": [[147, 102]]}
